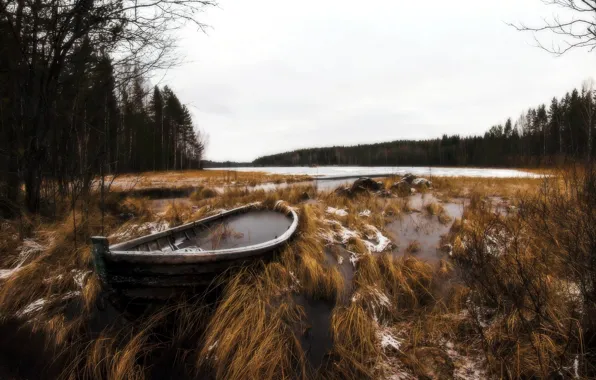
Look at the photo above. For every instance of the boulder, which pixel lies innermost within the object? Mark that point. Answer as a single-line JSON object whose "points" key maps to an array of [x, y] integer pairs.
{"points": [[403, 188], [343, 191], [411, 179], [366, 183], [408, 177], [421, 182]]}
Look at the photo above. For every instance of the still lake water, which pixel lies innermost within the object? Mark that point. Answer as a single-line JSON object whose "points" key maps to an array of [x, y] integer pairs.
{"points": [[343, 171]]}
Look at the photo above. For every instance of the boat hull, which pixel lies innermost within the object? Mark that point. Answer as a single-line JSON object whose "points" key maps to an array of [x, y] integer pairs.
{"points": [[127, 269]]}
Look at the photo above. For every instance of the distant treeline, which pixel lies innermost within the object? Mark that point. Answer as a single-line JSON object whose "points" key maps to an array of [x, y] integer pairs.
{"points": [[541, 136]]}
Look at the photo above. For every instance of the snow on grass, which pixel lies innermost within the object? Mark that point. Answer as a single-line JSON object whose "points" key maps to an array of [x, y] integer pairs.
{"points": [[388, 340], [364, 214], [80, 277], [467, 367], [389, 364], [336, 211], [26, 250], [376, 301], [39, 304], [34, 306], [382, 242], [376, 242], [354, 257], [340, 234]]}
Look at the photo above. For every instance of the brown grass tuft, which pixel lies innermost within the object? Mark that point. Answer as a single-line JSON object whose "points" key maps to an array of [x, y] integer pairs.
{"points": [[413, 247]]}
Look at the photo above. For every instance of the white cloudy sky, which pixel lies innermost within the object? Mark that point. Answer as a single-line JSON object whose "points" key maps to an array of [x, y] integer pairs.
{"points": [[276, 75]]}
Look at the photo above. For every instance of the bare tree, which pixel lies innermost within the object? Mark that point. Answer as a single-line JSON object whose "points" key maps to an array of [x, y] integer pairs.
{"points": [[578, 30]]}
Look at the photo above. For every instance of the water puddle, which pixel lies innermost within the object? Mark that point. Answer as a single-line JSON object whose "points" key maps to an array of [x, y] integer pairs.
{"points": [[317, 341], [419, 233]]}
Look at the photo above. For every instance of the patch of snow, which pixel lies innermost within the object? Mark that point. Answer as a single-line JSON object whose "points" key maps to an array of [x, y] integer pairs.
{"points": [[340, 260], [376, 301], [32, 307], [354, 258], [382, 241], [389, 364], [6, 273], [294, 278], [26, 250], [365, 213], [336, 211], [210, 348], [388, 341], [80, 277], [38, 304], [467, 367], [341, 234], [50, 280], [420, 181]]}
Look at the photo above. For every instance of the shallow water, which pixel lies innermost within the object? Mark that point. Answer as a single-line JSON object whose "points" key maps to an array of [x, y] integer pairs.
{"points": [[317, 341], [390, 170], [241, 230], [421, 227]]}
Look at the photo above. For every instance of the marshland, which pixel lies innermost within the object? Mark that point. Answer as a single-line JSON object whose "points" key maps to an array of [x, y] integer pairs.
{"points": [[457, 278], [194, 189]]}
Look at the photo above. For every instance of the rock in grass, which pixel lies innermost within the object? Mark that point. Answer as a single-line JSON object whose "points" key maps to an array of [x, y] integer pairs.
{"points": [[421, 182], [366, 183], [361, 185]]}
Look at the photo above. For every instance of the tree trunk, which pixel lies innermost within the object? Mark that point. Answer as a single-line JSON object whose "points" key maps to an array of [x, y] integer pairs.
{"points": [[33, 184]]}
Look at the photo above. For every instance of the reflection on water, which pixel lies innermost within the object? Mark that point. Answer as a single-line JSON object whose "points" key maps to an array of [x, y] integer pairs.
{"points": [[254, 227], [421, 227]]}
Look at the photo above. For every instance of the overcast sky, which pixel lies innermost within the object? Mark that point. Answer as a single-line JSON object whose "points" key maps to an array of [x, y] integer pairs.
{"points": [[272, 76]]}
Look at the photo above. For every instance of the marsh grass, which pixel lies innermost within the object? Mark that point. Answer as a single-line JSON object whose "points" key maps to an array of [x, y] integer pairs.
{"points": [[413, 247], [202, 178], [254, 328], [518, 268]]}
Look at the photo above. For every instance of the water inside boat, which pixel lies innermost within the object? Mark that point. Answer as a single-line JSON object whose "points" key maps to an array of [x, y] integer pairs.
{"points": [[242, 230]]}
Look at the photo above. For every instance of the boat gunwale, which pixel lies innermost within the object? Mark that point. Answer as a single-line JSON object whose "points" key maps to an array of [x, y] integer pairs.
{"points": [[190, 255]]}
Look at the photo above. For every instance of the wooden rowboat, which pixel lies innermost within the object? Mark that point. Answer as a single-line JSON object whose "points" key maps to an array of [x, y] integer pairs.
{"points": [[192, 255]]}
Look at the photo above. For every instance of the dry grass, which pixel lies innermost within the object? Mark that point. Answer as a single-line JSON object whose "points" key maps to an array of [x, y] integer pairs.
{"points": [[413, 247], [355, 347], [251, 333], [206, 178], [254, 329], [519, 269], [456, 187], [203, 193]]}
